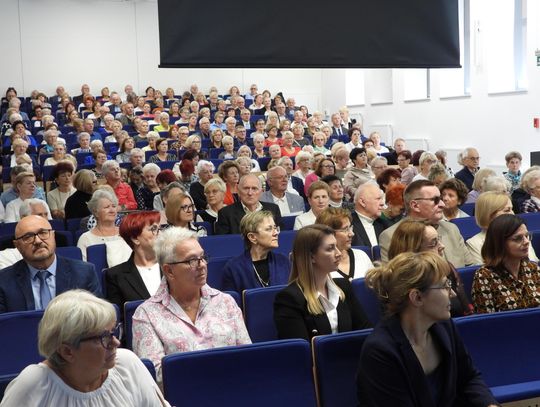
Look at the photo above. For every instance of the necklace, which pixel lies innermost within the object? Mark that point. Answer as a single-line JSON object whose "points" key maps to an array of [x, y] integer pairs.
{"points": [[261, 281]]}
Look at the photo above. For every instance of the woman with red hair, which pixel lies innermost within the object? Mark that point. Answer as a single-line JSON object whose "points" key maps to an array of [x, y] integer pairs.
{"points": [[139, 277], [394, 203]]}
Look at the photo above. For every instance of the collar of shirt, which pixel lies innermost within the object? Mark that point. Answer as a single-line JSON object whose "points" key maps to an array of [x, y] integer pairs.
{"points": [[276, 199], [257, 209], [536, 200], [365, 218], [332, 301], [51, 269]]}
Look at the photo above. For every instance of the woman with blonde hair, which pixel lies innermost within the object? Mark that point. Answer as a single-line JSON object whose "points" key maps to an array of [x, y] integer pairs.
{"points": [[415, 356], [180, 212], [477, 185], [313, 303]]}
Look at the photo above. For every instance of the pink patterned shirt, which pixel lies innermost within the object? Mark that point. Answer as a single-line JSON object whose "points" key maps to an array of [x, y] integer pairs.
{"points": [[161, 327]]}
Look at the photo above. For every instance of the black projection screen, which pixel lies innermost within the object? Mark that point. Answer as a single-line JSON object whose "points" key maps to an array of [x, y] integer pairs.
{"points": [[309, 33]]}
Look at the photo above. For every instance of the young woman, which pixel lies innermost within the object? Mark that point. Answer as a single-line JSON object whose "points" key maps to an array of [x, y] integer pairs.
{"points": [[180, 212]]}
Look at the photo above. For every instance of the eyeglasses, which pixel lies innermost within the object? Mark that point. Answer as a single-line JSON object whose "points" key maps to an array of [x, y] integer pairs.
{"points": [[447, 285], [187, 208], [434, 199], [474, 158], [271, 229], [30, 237], [345, 230], [193, 263], [155, 229], [435, 242], [519, 239], [106, 338]]}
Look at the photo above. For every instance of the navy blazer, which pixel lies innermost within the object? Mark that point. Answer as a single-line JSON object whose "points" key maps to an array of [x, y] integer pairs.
{"points": [[293, 320], [124, 283], [360, 237], [16, 288], [239, 274], [466, 176], [391, 375]]}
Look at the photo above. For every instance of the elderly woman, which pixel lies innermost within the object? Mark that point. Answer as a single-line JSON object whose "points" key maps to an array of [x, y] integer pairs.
{"points": [[357, 175], [513, 175], [19, 156], [216, 138], [376, 138], [139, 277], [319, 141], [245, 151], [258, 266], [408, 172], [427, 159], [25, 185], [531, 182], [59, 154], [395, 205], [258, 142], [287, 148], [388, 177], [205, 172], [50, 138], [145, 195], [324, 167], [163, 123], [100, 156], [303, 165], [313, 303], [84, 182], [214, 192], [79, 337], [229, 172], [116, 127], [417, 340], [83, 139], [104, 206], [417, 236], [453, 193], [152, 138], [185, 314], [62, 175], [354, 263], [194, 142], [508, 280], [228, 146], [438, 174], [478, 183], [318, 197], [180, 212], [125, 150], [162, 147]]}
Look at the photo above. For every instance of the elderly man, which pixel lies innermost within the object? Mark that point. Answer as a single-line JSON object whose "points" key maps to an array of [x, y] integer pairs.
{"points": [[423, 202], [337, 128], [378, 165], [124, 193], [114, 104], [127, 116], [281, 111], [240, 135], [470, 159], [291, 107], [14, 106], [399, 146], [294, 185], [88, 127], [245, 119], [85, 90], [366, 217], [32, 282], [298, 133], [136, 158], [204, 128], [249, 192], [289, 204]]}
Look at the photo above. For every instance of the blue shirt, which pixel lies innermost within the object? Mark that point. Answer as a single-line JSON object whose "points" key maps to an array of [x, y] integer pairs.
{"points": [[10, 195], [51, 282]]}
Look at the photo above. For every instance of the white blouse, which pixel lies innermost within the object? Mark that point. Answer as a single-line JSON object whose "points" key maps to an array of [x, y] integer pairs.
{"points": [[128, 384]]}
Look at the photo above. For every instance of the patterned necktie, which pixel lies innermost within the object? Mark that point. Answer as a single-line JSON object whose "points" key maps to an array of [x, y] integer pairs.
{"points": [[44, 292]]}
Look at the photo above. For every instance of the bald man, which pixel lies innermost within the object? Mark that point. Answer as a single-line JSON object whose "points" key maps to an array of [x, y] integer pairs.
{"points": [[249, 192], [33, 281], [366, 217]]}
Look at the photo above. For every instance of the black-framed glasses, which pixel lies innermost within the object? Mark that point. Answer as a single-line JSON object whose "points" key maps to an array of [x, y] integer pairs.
{"points": [[434, 199], [186, 208], [155, 229], [193, 263], [106, 338], [30, 237], [447, 285]]}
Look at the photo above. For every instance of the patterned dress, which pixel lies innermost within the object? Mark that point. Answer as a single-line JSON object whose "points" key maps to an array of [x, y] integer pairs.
{"points": [[497, 290]]}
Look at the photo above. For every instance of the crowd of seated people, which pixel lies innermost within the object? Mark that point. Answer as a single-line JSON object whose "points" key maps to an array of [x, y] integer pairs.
{"points": [[131, 167]]}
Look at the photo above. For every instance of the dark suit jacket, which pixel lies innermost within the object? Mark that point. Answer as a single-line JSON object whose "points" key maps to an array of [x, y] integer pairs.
{"points": [[466, 176], [298, 185], [391, 375], [293, 320], [16, 288], [229, 217], [360, 237], [344, 131], [124, 283]]}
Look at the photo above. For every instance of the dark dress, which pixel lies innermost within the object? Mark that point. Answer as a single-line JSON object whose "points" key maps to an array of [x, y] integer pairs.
{"points": [[76, 205]]}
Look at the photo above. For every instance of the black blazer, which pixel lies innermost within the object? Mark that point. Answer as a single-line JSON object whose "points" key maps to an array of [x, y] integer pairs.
{"points": [[391, 375], [76, 205], [196, 190], [360, 237], [229, 217], [124, 283], [293, 320]]}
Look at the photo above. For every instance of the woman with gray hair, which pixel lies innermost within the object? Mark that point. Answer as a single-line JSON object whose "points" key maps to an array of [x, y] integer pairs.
{"points": [[426, 161], [79, 338], [478, 182], [104, 206], [145, 195], [531, 182], [205, 172], [214, 192], [185, 314]]}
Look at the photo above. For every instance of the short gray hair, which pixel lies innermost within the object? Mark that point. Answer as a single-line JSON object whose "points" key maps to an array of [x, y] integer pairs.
{"points": [[151, 167], [166, 242], [93, 203], [107, 166], [217, 182], [26, 206], [529, 179], [81, 134], [204, 163], [165, 191], [70, 317]]}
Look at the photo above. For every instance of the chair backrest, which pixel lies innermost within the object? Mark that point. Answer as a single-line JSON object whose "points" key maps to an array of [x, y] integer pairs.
{"points": [[368, 300], [216, 267], [73, 224], [468, 208], [18, 340], [286, 239], [335, 363], [503, 345], [287, 222], [129, 310], [68, 236], [264, 375], [467, 226], [97, 255], [150, 366], [217, 246], [467, 276], [532, 220], [259, 313], [365, 249], [71, 252], [236, 296], [376, 252]]}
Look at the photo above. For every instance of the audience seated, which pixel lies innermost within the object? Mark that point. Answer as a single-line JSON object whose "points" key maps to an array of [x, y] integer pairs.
{"points": [[289, 203], [318, 197], [25, 185], [62, 176], [367, 222], [123, 192], [478, 183], [150, 189], [180, 212], [470, 159], [357, 175], [85, 183], [453, 194], [531, 182]]}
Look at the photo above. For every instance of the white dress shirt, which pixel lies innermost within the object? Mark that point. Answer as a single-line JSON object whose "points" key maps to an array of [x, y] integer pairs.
{"points": [[367, 223]]}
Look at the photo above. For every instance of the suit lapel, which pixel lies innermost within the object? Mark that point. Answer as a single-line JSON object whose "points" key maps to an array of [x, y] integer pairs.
{"points": [[63, 275], [361, 237], [134, 279], [23, 281]]}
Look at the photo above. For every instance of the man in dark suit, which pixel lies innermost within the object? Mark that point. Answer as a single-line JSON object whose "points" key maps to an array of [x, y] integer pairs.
{"points": [[337, 128], [32, 282], [470, 159], [249, 192], [245, 120], [85, 90], [367, 223]]}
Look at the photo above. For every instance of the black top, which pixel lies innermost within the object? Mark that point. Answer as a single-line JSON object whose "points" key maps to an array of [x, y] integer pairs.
{"points": [[196, 190], [76, 205]]}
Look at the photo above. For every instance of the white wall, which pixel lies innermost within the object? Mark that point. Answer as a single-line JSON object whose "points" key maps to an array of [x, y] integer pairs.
{"points": [[46, 43], [495, 124]]}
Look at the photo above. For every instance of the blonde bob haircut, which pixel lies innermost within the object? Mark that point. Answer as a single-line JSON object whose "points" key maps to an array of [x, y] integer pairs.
{"points": [[250, 224], [70, 317], [173, 207], [305, 245], [334, 217], [405, 272], [487, 205], [407, 237]]}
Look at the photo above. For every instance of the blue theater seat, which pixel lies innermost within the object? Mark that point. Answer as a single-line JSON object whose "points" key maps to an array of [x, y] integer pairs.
{"points": [[368, 300], [467, 226], [266, 374], [259, 312]]}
